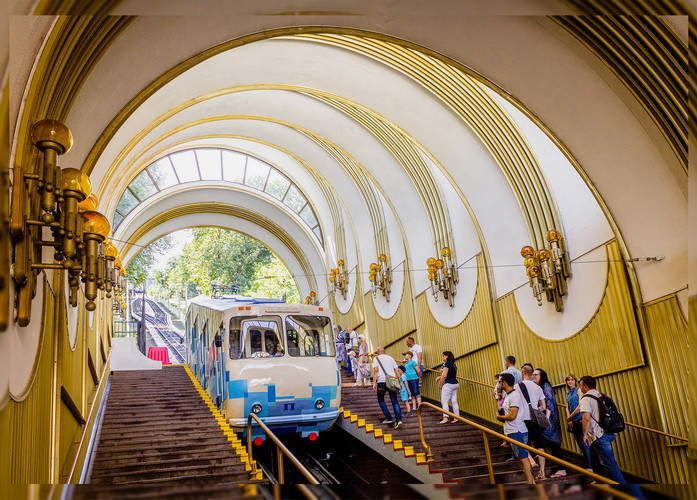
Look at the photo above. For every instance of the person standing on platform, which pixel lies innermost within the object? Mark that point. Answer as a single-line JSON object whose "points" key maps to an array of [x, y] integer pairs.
{"points": [[404, 393], [340, 345], [509, 363], [574, 417], [412, 374], [384, 365], [513, 424], [602, 456], [418, 353], [551, 436], [363, 360], [448, 386], [352, 337], [533, 396]]}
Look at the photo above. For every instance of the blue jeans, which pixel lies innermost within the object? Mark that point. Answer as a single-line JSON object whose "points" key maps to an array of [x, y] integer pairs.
{"points": [[577, 430], [603, 458], [414, 387], [382, 389], [601, 451], [518, 452]]}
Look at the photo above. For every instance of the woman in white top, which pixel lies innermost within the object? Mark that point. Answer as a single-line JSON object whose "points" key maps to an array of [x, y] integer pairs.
{"points": [[362, 371]]}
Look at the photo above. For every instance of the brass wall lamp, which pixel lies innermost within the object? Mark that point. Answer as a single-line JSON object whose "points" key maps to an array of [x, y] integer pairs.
{"points": [[443, 275], [59, 199], [95, 229], [110, 254], [312, 300], [380, 276], [548, 269], [339, 279]]}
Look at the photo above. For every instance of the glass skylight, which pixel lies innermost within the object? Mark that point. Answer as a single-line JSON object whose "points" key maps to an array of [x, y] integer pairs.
{"points": [[213, 164]]}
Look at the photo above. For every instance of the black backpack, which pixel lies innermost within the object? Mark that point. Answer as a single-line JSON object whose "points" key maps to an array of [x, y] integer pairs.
{"points": [[611, 420]]}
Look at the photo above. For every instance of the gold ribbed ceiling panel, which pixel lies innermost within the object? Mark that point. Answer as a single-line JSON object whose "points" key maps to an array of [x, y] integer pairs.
{"points": [[232, 211], [467, 97], [651, 61], [72, 49], [409, 157]]}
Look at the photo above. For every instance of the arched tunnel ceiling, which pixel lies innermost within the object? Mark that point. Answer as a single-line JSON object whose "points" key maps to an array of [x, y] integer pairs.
{"points": [[456, 154]]}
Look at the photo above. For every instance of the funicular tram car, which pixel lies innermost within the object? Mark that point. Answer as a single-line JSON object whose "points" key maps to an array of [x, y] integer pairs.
{"points": [[267, 357]]}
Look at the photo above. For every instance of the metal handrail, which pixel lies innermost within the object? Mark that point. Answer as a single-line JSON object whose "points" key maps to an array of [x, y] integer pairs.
{"points": [[280, 451], [93, 408], [485, 431], [630, 424]]}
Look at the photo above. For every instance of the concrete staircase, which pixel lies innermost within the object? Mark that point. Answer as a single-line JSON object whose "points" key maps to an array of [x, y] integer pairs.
{"points": [[458, 450], [159, 428]]}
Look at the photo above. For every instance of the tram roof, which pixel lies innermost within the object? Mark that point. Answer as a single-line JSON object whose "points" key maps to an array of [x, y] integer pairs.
{"points": [[228, 301]]}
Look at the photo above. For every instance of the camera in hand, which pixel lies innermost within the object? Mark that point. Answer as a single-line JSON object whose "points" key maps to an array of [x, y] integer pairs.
{"points": [[501, 412]]}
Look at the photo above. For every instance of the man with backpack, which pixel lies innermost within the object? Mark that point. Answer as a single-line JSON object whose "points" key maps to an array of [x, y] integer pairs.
{"points": [[601, 421]]}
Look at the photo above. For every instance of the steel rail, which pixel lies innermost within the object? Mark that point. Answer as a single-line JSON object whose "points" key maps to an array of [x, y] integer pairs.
{"points": [[630, 424], [281, 450]]}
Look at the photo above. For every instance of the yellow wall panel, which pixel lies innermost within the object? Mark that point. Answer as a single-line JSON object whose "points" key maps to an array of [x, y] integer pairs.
{"points": [[609, 342], [31, 421], [390, 331], [475, 332]]}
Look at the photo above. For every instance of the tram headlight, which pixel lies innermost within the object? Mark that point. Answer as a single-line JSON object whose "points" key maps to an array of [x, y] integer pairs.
{"points": [[319, 404], [256, 408]]}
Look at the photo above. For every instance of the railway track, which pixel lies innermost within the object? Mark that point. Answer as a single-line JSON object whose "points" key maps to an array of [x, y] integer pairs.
{"points": [[158, 320]]}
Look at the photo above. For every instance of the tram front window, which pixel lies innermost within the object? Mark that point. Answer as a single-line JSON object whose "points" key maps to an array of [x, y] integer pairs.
{"points": [[255, 337], [310, 336]]}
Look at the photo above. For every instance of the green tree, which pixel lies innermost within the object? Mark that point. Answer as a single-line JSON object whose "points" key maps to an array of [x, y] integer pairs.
{"points": [[274, 281], [141, 264], [219, 255]]}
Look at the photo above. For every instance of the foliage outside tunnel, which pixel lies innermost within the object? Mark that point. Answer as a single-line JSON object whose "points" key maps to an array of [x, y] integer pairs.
{"points": [[213, 255]]}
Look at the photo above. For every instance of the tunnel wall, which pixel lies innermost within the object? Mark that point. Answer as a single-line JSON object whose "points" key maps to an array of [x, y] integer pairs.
{"points": [[632, 349]]}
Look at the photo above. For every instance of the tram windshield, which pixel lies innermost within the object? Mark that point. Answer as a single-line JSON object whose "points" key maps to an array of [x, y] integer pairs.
{"points": [[310, 336], [256, 337]]}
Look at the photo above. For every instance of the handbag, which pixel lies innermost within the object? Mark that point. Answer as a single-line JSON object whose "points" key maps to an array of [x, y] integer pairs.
{"points": [[538, 417], [393, 383]]}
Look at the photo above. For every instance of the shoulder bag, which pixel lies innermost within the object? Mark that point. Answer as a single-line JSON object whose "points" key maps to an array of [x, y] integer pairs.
{"points": [[537, 416], [393, 383]]}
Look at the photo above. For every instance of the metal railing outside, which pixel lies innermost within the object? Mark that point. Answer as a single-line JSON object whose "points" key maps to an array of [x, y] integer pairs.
{"points": [[490, 466], [630, 424], [281, 450]]}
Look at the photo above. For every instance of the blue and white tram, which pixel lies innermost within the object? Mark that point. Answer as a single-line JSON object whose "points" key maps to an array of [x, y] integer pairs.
{"points": [[266, 357]]}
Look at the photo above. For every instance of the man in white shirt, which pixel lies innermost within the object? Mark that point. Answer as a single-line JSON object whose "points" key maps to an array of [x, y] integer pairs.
{"points": [[386, 365], [513, 424], [353, 340], [602, 456], [418, 352], [537, 402]]}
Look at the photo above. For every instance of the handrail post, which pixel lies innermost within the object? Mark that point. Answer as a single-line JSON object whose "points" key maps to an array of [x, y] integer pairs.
{"points": [[429, 453], [279, 461], [249, 444], [489, 465]]}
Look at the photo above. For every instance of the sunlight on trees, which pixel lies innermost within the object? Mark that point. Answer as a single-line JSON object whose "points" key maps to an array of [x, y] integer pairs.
{"points": [[226, 257]]}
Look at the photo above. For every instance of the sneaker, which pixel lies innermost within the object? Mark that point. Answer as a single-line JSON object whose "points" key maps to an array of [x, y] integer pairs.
{"points": [[388, 421], [512, 459], [398, 425], [410, 414]]}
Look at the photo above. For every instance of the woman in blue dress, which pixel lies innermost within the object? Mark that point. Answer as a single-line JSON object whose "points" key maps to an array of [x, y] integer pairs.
{"points": [[574, 417], [552, 435]]}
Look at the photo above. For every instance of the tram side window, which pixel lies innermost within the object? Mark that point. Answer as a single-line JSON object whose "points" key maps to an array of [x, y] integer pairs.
{"points": [[255, 337], [235, 339], [309, 336]]}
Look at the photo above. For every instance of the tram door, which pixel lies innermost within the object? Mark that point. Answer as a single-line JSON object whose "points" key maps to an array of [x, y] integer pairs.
{"points": [[219, 366]]}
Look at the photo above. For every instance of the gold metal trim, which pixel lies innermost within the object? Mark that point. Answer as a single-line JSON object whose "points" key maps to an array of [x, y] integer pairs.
{"points": [[233, 211]]}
